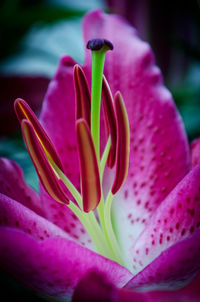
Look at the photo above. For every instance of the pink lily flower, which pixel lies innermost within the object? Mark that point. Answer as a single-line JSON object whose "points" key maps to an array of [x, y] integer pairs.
{"points": [[150, 239]]}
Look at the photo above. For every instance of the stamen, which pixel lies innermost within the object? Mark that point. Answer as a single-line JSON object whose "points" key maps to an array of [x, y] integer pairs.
{"points": [[83, 103], [99, 48], [116, 152], [24, 112], [44, 170], [90, 179], [123, 143], [110, 121]]}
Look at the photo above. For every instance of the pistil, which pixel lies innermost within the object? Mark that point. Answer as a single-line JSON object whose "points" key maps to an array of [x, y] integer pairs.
{"points": [[98, 48]]}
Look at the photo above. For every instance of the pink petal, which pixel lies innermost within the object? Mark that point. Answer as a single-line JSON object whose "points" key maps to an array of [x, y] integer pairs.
{"points": [[195, 152], [190, 293], [94, 287], [15, 215], [172, 269], [176, 218], [159, 156], [97, 287], [13, 185], [54, 266]]}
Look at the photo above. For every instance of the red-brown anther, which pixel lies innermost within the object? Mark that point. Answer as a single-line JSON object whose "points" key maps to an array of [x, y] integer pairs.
{"points": [[83, 103], [123, 143], [23, 111], [90, 178], [110, 121], [44, 170]]}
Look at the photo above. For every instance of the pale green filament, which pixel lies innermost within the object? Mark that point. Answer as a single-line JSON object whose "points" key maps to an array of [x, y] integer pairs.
{"points": [[110, 233], [91, 225], [104, 158]]}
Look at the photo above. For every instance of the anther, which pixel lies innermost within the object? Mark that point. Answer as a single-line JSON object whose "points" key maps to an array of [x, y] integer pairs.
{"points": [[44, 170], [90, 178], [123, 143], [83, 103], [110, 121], [24, 112]]}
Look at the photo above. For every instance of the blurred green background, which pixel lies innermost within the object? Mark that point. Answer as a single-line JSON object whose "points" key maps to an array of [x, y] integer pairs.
{"points": [[34, 34]]}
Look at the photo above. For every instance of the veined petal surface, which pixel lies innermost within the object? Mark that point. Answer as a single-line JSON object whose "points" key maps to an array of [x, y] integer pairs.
{"points": [[159, 151]]}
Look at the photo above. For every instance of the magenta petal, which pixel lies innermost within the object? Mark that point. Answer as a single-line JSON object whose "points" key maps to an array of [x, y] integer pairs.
{"points": [[96, 287], [173, 269], [195, 152], [159, 156], [15, 215], [13, 185], [190, 293], [54, 266], [176, 218]]}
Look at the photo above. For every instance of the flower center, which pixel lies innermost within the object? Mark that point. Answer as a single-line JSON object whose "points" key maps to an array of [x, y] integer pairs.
{"points": [[92, 164]]}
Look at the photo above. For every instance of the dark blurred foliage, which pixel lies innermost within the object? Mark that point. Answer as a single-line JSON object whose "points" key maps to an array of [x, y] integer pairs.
{"points": [[168, 26], [17, 16], [173, 30], [28, 87], [13, 291]]}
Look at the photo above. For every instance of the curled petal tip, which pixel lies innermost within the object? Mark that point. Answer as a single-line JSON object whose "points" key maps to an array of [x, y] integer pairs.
{"points": [[90, 178], [123, 143]]}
